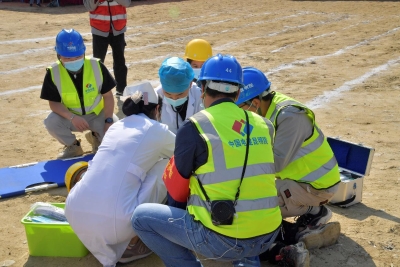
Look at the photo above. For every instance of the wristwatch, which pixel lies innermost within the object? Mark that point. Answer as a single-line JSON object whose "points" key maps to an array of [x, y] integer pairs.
{"points": [[109, 120]]}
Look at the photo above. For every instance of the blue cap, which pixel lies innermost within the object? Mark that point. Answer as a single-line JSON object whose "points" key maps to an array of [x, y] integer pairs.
{"points": [[255, 83], [176, 75]]}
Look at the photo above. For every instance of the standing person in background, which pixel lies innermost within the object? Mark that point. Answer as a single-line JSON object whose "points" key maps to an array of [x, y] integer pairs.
{"points": [[181, 96], [197, 51], [78, 89], [108, 21], [37, 3]]}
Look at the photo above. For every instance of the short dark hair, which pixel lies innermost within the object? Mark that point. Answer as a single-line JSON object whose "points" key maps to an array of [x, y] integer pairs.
{"points": [[214, 93]]}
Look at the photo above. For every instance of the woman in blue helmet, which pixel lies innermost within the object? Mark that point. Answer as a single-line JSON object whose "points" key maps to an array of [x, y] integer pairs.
{"points": [[181, 96], [78, 89]]}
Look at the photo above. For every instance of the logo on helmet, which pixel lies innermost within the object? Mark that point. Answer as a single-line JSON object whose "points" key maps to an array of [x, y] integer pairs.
{"points": [[248, 86], [71, 47]]}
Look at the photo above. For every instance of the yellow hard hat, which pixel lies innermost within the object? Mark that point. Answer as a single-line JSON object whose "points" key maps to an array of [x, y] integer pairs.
{"points": [[74, 174], [198, 49]]}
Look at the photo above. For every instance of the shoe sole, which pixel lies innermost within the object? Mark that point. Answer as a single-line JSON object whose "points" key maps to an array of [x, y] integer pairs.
{"points": [[324, 237], [126, 260]]}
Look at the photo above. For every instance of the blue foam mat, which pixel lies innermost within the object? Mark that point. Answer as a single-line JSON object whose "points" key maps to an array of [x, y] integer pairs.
{"points": [[16, 179]]}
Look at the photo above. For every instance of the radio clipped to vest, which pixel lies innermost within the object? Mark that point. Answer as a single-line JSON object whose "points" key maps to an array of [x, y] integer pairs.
{"points": [[223, 211]]}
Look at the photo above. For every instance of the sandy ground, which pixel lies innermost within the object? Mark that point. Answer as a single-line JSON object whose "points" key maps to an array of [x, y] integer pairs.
{"points": [[339, 57]]}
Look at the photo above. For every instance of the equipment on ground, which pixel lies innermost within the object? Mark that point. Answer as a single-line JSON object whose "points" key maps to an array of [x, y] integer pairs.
{"points": [[30, 177], [75, 173], [354, 162]]}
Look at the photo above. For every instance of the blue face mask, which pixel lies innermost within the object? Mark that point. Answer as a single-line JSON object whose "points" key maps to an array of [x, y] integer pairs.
{"points": [[177, 102], [196, 73], [74, 65]]}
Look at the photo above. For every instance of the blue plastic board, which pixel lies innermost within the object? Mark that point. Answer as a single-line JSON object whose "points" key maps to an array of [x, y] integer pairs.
{"points": [[352, 157], [15, 180]]}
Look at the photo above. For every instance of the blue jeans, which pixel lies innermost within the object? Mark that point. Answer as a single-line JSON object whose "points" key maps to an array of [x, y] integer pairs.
{"points": [[172, 234]]}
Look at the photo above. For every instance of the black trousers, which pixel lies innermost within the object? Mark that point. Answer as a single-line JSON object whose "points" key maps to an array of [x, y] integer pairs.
{"points": [[117, 43]]}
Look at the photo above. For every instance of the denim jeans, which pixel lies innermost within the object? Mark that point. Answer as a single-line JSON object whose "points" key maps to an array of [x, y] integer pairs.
{"points": [[172, 234], [117, 43]]}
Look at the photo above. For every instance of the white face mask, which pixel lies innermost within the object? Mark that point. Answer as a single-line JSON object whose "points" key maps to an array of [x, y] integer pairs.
{"points": [[196, 73]]}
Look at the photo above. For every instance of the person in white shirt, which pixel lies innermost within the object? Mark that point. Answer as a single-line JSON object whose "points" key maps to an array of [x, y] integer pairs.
{"points": [[126, 171], [181, 96]]}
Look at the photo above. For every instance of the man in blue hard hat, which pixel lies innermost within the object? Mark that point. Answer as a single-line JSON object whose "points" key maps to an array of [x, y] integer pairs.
{"points": [[306, 169], [78, 89]]}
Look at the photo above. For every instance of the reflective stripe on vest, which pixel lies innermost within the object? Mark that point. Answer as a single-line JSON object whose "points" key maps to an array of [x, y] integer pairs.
{"points": [[315, 162], [107, 13], [92, 84], [223, 129]]}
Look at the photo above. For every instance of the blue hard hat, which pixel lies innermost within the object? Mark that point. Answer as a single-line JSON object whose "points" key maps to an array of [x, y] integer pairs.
{"points": [[69, 43], [175, 74], [255, 83], [223, 68]]}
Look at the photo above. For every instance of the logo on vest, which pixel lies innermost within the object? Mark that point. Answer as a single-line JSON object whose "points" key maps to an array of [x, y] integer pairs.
{"points": [[89, 88], [241, 128], [238, 125]]}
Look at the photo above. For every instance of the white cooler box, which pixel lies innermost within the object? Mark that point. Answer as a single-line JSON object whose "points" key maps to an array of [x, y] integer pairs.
{"points": [[354, 163]]}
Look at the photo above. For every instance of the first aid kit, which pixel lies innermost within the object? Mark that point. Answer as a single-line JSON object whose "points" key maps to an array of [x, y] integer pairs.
{"points": [[354, 162], [48, 234]]}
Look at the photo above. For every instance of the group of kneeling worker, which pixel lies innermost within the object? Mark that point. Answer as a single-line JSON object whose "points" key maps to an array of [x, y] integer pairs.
{"points": [[205, 167]]}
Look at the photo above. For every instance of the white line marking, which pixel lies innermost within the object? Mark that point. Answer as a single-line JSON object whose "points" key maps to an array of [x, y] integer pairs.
{"points": [[327, 97]]}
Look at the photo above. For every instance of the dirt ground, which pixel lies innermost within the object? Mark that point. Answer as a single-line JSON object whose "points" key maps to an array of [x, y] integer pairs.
{"points": [[339, 57]]}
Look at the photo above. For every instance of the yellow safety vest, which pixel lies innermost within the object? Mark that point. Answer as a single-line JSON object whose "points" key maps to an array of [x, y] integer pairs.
{"points": [[92, 83], [223, 129], [315, 162]]}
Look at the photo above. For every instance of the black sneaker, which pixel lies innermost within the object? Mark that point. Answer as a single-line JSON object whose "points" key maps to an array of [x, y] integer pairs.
{"points": [[322, 217], [30, 4], [38, 4]]}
